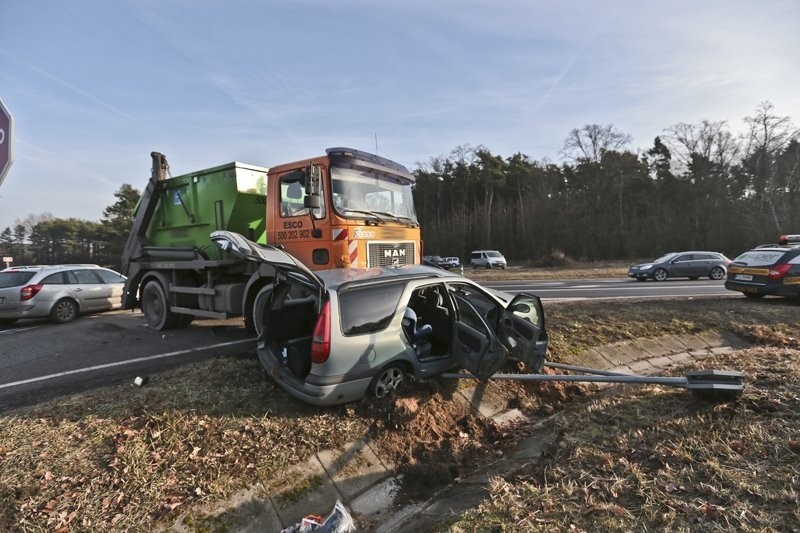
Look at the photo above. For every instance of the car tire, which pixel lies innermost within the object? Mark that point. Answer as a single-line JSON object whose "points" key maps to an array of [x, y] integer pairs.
{"points": [[717, 273], [155, 308], [641, 278], [388, 380], [660, 274], [64, 310]]}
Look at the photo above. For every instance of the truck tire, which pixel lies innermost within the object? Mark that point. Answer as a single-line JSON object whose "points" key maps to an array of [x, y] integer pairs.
{"points": [[259, 303], [155, 308]]}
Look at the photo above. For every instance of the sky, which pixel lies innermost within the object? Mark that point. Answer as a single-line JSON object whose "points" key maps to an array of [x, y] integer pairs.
{"points": [[95, 86]]}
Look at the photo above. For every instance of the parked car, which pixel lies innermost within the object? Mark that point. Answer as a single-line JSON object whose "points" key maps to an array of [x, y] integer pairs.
{"points": [[452, 262], [434, 261], [768, 269], [692, 265], [333, 336], [59, 292], [487, 259]]}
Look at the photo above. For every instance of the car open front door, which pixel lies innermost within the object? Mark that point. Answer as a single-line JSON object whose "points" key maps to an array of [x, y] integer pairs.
{"points": [[475, 346], [522, 330]]}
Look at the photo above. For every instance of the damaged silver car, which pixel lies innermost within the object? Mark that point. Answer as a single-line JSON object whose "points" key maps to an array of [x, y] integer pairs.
{"points": [[333, 336]]}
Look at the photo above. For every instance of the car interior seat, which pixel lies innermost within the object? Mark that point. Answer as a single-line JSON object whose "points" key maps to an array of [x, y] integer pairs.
{"points": [[418, 334]]}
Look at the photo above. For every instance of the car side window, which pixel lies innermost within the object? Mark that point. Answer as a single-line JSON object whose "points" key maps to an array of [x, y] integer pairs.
{"points": [[110, 277], [368, 309], [483, 303], [683, 258], [87, 276], [55, 279]]}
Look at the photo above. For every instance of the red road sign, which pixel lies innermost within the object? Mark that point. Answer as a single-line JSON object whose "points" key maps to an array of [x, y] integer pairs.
{"points": [[6, 139]]}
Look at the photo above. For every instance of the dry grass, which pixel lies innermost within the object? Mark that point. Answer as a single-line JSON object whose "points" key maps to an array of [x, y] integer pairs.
{"points": [[656, 459], [128, 458], [599, 270]]}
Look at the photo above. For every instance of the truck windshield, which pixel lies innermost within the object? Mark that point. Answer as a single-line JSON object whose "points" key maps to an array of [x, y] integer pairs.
{"points": [[364, 194]]}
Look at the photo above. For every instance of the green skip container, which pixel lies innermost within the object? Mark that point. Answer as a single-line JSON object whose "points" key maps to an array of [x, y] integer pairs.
{"points": [[229, 197]]}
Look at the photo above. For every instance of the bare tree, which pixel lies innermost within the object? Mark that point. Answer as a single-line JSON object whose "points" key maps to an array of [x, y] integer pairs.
{"points": [[588, 143], [767, 138], [709, 139]]}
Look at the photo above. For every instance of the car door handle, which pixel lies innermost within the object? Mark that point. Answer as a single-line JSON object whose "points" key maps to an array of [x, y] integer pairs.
{"points": [[78, 289]]}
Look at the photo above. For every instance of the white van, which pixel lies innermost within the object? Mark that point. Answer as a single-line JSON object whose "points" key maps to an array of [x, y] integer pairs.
{"points": [[487, 259]]}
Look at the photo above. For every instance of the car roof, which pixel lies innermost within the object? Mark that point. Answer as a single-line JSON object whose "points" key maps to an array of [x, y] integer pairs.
{"points": [[339, 278], [47, 267]]}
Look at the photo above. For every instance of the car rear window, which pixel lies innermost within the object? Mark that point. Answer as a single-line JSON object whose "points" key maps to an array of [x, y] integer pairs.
{"points": [[14, 279], [368, 309], [759, 257]]}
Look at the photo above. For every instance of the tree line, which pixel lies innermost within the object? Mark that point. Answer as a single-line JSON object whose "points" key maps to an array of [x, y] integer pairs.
{"points": [[699, 186], [47, 240]]}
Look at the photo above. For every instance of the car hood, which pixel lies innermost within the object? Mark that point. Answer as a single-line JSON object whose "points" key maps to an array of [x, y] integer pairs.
{"points": [[246, 249]]}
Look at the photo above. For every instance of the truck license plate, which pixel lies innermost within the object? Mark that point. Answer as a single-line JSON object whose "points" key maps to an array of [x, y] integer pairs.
{"points": [[744, 277]]}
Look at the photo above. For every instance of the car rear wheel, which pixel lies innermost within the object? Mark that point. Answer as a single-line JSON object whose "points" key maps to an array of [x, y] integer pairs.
{"points": [[64, 310], [388, 381], [660, 275], [717, 273], [155, 308]]}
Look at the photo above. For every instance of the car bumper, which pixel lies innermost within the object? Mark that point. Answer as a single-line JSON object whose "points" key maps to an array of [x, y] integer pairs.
{"points": [[21, 311], [344, 391], [639, 274], [773, 288]]}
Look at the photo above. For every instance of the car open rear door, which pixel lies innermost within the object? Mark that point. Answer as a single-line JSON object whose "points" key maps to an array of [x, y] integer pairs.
{"points": [[522, 330], [475, 346]]}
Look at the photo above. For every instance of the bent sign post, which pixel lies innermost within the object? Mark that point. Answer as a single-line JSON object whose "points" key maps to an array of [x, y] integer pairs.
{"points": [[6, 140]]}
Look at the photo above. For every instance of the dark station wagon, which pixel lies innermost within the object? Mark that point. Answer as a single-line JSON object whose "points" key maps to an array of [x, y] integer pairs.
{"points": [[771, 269]]}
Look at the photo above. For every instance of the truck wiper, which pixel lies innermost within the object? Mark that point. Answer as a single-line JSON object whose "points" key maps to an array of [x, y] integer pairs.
{"points": [[369, 213], [399, 218]]}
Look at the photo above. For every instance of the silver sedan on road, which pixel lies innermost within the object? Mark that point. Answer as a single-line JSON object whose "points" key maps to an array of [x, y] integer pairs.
{"points": [[59, 292]]}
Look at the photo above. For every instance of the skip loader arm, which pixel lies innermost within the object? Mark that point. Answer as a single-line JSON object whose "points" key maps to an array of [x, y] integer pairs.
{"points": [[137, 239]]}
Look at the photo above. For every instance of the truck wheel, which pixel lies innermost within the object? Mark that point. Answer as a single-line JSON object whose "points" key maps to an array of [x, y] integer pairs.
{"points": [[259, 304], [155, 308]]}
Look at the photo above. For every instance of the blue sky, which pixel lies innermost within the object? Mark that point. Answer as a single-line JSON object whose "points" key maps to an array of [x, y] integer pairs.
{"points": [[95, 86]]}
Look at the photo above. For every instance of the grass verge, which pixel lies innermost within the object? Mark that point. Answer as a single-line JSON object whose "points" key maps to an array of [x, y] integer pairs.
{"points": [[129, 458]]}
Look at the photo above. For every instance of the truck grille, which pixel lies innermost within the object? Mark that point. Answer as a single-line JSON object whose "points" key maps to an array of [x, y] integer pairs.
{"points": [[381, 254]]}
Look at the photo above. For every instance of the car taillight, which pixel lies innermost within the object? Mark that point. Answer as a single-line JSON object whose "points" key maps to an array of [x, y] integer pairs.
{"points": [[29, 291], [778, 271], [321, 339]]}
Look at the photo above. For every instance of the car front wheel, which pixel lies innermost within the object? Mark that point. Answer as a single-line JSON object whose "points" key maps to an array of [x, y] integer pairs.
{"points": [[388, 381], [717, 273], [64, 310], [660, 275]]}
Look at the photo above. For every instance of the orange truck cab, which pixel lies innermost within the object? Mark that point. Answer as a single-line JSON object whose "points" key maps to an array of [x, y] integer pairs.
{"points": [[346, 209]]}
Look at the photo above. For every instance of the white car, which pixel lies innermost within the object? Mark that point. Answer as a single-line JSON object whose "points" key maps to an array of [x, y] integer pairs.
{"points": [[487, 259], [59, 292]]}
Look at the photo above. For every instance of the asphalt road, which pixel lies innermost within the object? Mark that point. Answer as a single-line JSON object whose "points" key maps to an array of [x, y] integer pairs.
{"points": [[40, 360]]}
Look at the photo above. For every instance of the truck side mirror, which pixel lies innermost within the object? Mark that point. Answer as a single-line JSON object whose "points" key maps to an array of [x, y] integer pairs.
{"points": [[313, 177], [312, 201]]}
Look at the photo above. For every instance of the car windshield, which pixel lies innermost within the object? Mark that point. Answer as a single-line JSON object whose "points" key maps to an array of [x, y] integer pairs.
{"points": [[366, 194], [494, 254], [759, 257], [14, 279], [665, 258]]}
